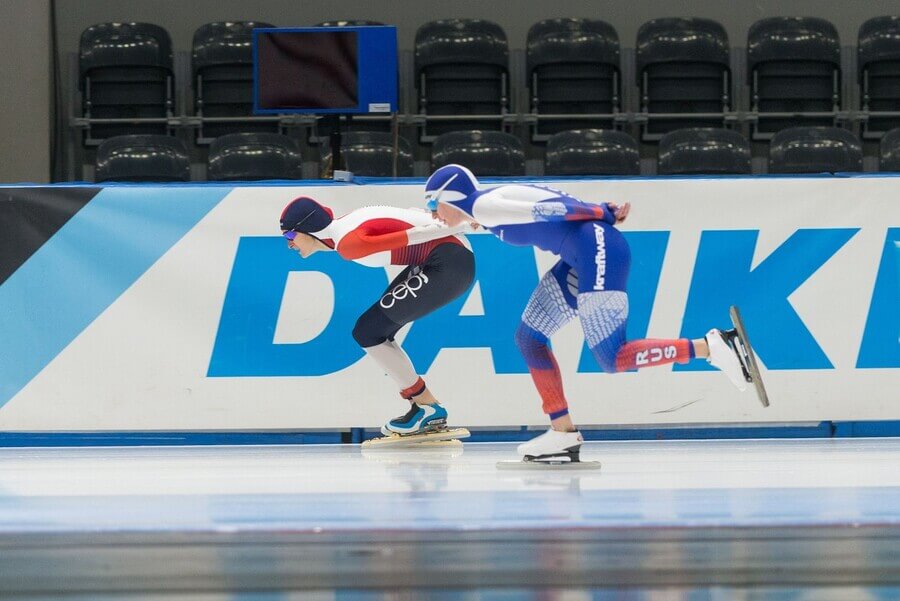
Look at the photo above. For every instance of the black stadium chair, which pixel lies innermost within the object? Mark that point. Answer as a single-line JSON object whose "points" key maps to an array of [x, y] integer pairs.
{"points": [[592, 152], [125, 72], [461, 68], [890, 151], [814, 150], [238, 157], [371, 154], [793, 66], [879, 73], [222, 64], [683, 69], [572, 68], [490, 153], [703, 151], [142, 158]]}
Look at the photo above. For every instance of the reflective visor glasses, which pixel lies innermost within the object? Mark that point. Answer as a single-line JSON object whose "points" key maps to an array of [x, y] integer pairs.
{"points": [[431, 198], [291, 234]]}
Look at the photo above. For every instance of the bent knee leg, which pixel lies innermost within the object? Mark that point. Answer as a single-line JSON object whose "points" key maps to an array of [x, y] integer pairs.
{"points": [[606, 353], [533, 346], [373, 327], [604, 317]]}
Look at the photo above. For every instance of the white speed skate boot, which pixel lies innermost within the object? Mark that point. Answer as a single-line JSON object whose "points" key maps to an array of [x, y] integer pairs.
{"points": [[553, 445], [551, 450], [724, 356]]}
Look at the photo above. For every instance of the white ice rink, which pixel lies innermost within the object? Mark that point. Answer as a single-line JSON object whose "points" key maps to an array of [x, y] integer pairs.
{"points": [[745, 513]]}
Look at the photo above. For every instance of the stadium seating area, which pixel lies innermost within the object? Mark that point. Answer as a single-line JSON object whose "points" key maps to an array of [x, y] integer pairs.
{"points": [[690, 102]]}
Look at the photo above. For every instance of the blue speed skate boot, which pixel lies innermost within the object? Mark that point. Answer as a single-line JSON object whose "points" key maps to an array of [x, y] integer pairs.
{"points": [[421, 424], [420, 419]]}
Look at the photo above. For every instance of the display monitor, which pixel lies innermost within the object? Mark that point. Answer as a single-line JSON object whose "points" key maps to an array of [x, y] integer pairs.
{"points": [[325, 70]]}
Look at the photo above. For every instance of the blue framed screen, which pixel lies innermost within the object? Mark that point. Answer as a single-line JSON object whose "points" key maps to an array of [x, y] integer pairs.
{"points": [[325, 70]]}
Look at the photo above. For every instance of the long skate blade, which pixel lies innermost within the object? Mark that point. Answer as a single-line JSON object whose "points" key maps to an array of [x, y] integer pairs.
{"points": [[449, 437], [752, 365], [562, 466]]}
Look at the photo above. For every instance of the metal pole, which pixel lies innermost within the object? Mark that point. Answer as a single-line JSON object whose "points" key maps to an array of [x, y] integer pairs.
{"points": [[395, 134], [335, 144]]}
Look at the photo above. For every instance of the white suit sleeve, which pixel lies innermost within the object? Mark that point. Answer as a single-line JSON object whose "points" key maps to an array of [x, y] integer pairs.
{"points": [[500, 207]]}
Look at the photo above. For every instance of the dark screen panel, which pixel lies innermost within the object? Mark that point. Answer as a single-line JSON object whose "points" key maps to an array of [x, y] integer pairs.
{"points": [[316, 70]]}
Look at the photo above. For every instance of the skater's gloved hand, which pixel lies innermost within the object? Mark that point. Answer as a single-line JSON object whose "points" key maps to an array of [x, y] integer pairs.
{"points": [[620, 212]]}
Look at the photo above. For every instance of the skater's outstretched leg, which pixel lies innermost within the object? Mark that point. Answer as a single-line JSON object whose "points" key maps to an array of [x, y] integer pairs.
{"points": [[604, 316]]}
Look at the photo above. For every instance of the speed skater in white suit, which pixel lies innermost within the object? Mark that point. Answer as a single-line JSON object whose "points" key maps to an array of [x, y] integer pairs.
{"points": [[438, 267], [588, 282]]}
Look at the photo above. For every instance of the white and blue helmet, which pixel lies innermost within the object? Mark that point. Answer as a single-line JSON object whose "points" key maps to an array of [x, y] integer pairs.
{"points": [[450, 184]]}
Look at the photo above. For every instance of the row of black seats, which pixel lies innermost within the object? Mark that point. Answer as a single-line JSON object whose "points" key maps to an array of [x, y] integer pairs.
{"points": [[691, 151], [244, 156], [573, 74]]}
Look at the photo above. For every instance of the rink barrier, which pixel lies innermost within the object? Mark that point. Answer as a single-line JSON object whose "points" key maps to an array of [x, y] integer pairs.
{"points": [[825, 429], [59, 391]]}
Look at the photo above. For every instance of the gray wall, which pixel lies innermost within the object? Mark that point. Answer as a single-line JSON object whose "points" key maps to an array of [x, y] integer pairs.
{"points": [[25, 97]]}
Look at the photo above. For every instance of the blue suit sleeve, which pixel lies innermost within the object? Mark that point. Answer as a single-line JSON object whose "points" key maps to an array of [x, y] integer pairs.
{"points": [[565, 209]]}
